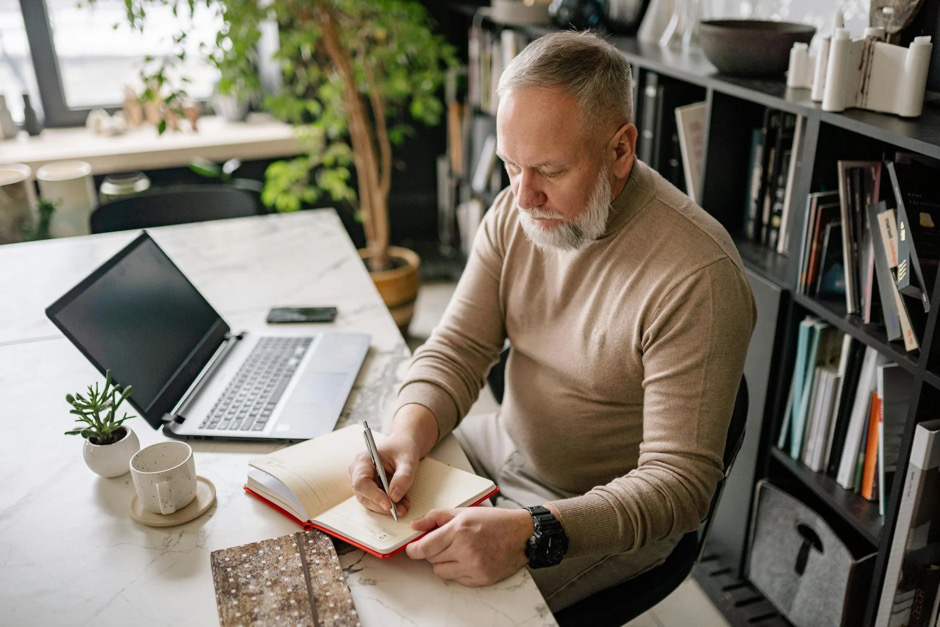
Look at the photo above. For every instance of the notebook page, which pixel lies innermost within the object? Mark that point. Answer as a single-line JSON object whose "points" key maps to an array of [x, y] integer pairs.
{"points": [[316, 471], [436, 485]]}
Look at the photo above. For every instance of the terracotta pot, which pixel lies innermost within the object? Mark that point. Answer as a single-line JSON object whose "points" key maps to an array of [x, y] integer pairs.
{"points": [[112, 460], [398, 286]]}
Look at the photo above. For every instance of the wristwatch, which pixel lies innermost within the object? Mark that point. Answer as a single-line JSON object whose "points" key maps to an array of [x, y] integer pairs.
{"points": [[548, 543]]}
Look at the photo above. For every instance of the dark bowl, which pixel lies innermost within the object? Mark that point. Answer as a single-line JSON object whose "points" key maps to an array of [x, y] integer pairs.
{"points": [[751, 47]]}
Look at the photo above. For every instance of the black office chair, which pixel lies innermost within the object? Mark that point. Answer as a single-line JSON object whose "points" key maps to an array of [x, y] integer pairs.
{"points": [[174, 205], [625, 601]]}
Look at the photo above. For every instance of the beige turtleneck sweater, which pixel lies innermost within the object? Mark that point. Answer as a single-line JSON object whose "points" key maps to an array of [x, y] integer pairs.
{"points": [[626, 358]]}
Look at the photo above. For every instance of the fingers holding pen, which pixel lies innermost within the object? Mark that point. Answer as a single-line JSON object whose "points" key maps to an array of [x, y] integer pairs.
{"points": [[368, 488]]}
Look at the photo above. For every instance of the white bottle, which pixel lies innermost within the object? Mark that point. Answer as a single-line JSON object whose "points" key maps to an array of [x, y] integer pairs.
{"points": [[7, 126]]}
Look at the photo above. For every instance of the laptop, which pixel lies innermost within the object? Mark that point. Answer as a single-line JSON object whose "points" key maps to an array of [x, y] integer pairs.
{"points": [[140, 317]]}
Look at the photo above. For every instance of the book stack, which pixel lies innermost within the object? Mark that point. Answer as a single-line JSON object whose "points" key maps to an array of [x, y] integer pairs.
{"points": [[846, 410], [773, 162], [874, 245]]}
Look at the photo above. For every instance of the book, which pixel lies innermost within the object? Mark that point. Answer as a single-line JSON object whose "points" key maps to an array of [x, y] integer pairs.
{"points": [[846, 355], [265, 582], [818, 426], [924, 606], [309, 483], [797, 381], [779, 137], [858, 183], [887, 286], [888, 228], [486, 164], [895, 388], [777, 203], [824, 343], [915, 543], [858, 419], [690, 123], [647, 145], [753, 186], [830, 285], [917, 197], [853, 357], [822, 210], [783, 240], [868, 490]]}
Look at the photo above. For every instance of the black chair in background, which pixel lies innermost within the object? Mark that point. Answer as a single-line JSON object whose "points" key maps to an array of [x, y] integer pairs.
{"points": [[174, 205], [623, 602]]}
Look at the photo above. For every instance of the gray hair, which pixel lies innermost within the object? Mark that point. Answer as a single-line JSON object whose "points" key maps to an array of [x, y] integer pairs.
{"points": [[580, 64]]}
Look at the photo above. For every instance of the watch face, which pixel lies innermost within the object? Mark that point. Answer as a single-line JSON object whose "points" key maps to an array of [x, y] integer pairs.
{"points": [[549, 543]]}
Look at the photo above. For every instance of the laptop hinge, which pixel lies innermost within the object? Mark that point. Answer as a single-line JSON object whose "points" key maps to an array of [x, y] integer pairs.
{"points": [[178, 410]]}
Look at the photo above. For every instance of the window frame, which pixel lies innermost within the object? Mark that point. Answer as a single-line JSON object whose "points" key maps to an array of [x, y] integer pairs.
{"points": [[46, 68]]}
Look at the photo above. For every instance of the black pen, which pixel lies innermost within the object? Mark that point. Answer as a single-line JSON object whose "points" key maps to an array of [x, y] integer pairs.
{"points": [[377, 462]]}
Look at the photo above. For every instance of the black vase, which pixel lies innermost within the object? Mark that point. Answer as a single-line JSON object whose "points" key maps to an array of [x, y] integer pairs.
{"points": [[576, 14], [624, 16], [31, 123]]}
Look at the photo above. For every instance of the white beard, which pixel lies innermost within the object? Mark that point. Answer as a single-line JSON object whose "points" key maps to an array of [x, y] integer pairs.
{"points": [[587, 227]]}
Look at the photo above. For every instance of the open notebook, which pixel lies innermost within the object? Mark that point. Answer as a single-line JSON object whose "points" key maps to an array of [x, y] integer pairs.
{"points": [[309, 482]]}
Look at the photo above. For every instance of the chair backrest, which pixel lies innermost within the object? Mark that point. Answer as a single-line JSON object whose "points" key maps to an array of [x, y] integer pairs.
{"points": [[174, 205], [733, 442]]}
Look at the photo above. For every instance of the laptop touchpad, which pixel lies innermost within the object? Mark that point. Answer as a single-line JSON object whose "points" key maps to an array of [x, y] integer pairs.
{"points": [[321, 388]]}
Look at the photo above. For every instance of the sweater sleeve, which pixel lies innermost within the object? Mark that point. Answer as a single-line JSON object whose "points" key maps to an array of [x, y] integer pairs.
{"points": [[694, 343], [449, 370]]}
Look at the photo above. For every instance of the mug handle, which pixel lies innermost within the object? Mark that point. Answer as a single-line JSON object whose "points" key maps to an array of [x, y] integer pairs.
{"points": [[166, 504]]}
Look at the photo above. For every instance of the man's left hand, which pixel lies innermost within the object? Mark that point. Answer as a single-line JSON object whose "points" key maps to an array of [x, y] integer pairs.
{"points": [[474, 546]]}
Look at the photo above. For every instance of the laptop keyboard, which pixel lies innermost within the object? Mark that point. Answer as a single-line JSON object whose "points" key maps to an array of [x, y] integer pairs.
{"points": [[250, 397]]}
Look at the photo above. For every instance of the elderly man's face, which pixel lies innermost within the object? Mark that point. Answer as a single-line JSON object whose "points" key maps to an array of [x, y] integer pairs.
{"points": [[556, 170]]}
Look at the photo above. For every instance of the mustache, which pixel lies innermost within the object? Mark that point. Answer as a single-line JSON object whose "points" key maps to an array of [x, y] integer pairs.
{"points": [[542, 215]]}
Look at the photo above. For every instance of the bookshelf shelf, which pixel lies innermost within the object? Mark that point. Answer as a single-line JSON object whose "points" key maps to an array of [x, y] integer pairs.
{"points": [[870, 334], [860, 514], [932, 379], [768, 263]]}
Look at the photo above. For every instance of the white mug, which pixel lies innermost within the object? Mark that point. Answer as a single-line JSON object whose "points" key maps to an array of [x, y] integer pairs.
{"points": [[164, 476], [69, 185], [17, 201]]}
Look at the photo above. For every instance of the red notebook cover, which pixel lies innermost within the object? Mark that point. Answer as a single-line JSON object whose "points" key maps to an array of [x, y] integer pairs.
{"points": [[311, 525]]}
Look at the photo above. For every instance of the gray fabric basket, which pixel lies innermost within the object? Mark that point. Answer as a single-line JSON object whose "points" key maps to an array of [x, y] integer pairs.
{"points": [[802, 566]]}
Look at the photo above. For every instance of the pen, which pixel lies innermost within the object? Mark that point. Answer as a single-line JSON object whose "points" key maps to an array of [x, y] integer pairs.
{"points": [[374, 452]]}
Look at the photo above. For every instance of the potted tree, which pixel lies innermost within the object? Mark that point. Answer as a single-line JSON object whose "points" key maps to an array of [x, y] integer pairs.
{"points": [[109, 445], [356, 76]]}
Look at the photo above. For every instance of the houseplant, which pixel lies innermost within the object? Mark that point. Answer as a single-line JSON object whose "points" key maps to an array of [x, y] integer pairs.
{"points": [[109, 445], [356, 75]]}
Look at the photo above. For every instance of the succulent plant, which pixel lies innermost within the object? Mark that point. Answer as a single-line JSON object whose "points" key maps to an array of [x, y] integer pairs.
{"points": [[96, 411]]}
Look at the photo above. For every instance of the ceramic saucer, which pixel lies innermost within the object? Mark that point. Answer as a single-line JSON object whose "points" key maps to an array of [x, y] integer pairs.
{"points": [[205, 497]]}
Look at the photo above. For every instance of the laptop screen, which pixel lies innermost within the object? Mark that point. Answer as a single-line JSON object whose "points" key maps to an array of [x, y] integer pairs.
{"points": [[139, 316]]}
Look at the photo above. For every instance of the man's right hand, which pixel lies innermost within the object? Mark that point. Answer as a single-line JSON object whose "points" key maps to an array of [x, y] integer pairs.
{"points": [[414, 433], [400, 458]]}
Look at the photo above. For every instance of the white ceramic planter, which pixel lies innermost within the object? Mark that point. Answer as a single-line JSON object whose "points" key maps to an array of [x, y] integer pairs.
{"points": [[112, 460]]}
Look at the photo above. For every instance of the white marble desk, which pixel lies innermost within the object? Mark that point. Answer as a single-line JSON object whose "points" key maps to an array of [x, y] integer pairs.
{"points": [[69, 552]]}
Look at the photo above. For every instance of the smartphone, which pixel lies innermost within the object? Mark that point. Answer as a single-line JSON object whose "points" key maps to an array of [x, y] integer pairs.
{"points": [[301, 314]]}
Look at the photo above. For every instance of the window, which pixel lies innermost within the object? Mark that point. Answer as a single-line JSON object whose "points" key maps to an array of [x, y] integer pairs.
{"points": [[84, 56], [16, 66]]}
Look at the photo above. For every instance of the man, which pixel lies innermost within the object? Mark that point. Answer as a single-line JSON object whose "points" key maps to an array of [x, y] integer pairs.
{"points": [[629, 315]]}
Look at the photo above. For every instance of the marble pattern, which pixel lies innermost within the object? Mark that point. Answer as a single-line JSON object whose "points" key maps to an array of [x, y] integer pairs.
{"points": [[70, 553]]}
